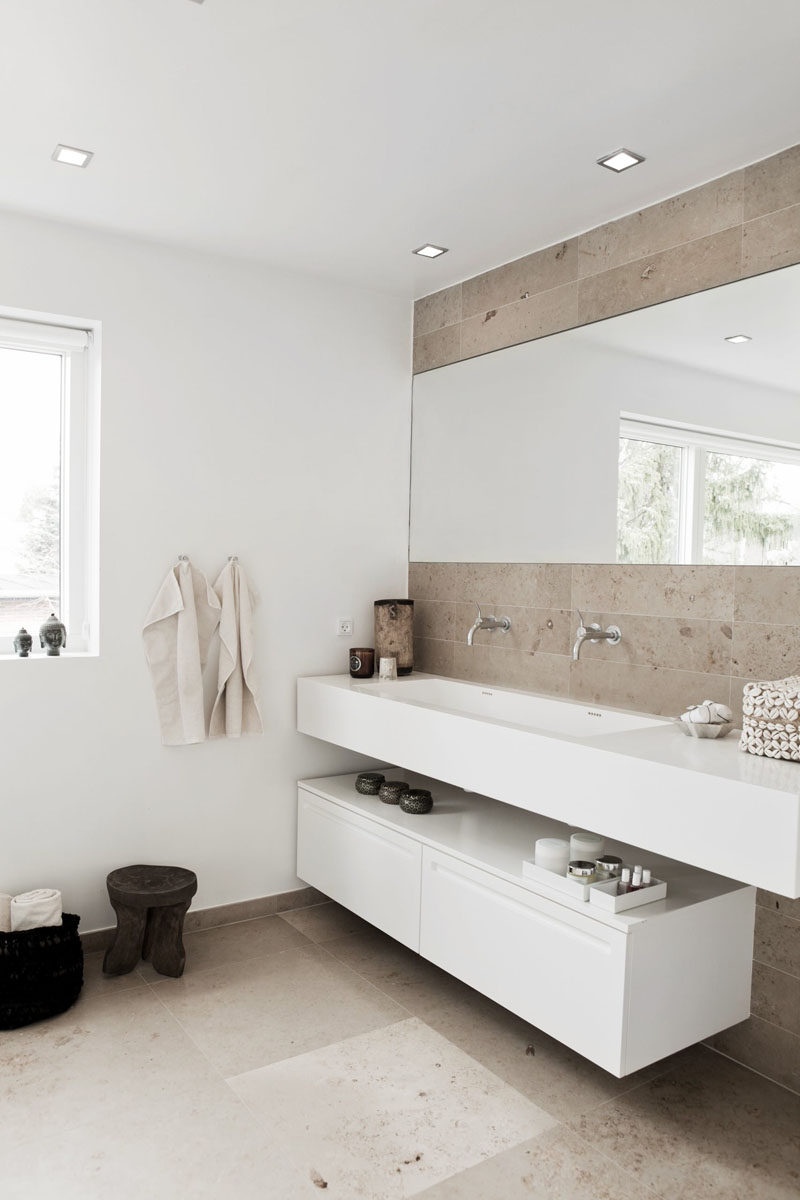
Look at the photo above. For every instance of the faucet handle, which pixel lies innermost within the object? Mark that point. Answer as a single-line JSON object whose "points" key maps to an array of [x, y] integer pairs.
{"points": [[581, 622], [480, 614]]}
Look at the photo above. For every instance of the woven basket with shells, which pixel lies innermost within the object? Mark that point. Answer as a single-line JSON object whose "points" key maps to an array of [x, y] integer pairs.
{"points": [[771, 719]]}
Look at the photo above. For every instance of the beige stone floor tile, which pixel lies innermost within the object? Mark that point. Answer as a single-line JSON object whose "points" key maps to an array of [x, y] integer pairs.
{"points": [[557, 1165], [388, 1113], [210, 948], [323, 922], [96, 983], [103, 1056], [246, 1015], [763, 1047], [209, 1147], [553, 1076], [706, 1130]]}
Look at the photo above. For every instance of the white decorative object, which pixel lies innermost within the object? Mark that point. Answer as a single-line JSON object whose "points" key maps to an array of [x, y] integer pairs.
{"points": [[771, 719], [552, 854], [387, 668], [706, 720], [586, 846]]}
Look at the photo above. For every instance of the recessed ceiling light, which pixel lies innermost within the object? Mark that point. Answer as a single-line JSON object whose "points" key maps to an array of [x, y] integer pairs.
{"points": [[737, 338], [72, 156], [429, 251], [620, 160]]}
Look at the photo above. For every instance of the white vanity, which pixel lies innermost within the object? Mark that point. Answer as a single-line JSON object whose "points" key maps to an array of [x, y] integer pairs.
{"points": [[623, 989]]}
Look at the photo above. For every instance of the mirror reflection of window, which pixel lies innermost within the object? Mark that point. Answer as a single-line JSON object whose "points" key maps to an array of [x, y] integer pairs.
{"points": [[689, 496]]}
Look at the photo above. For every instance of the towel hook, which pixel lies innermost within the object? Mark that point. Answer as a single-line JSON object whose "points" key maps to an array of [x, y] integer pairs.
{"points": [[233, 558], [183, 558]]}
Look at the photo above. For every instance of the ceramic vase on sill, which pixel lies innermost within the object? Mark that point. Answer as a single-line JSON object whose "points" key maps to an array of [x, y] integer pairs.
{"points": [[394, 633]]}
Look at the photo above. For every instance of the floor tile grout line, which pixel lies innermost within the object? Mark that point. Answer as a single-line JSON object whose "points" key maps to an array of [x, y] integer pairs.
{"points": [[636, 1180], [767, 1078]]}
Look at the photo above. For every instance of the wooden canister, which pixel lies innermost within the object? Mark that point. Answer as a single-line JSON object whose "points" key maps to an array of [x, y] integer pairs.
{"points": [[394, 633]]}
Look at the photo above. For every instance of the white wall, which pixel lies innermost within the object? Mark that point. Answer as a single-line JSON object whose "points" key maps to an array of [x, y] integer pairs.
{"points": [[244, 411], [515, 455]]}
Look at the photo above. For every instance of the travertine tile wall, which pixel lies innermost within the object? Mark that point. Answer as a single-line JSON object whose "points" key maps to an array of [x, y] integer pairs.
{"points": [[743, 224], [688, 632]]}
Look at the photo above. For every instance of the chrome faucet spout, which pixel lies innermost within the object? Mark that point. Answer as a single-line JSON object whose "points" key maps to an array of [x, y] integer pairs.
{"points": [[593, 633], [490, 623]]}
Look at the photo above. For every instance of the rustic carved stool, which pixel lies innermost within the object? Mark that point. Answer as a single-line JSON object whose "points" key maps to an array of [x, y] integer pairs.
{"points": [[150, 903]]}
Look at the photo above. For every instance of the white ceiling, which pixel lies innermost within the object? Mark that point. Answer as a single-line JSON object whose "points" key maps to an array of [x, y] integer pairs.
{"points": [[691, 331], [332, 136]]}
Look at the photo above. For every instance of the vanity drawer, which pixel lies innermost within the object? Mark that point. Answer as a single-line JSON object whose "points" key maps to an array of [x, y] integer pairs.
{"points": [[372, 870], [558, 969]]}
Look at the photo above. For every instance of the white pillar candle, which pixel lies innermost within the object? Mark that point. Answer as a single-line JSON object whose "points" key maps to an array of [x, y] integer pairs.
{"points": [[588, 846], [552, 854]]}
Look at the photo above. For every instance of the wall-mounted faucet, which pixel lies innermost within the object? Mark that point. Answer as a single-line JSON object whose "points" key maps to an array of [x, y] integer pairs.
{"points": [[593, 633], [490, 623]]}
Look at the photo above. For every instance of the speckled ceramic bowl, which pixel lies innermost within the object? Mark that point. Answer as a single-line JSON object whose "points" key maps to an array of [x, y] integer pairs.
{"points": [[391, 791], [368, 783], [691, 729], [416, 801]]}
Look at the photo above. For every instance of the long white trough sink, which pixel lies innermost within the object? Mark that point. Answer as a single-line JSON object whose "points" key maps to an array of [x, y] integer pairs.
{"points": [[631, 777]]}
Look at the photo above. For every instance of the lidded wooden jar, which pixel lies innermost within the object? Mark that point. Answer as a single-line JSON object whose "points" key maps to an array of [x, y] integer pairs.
{"points": [[394, 633]]}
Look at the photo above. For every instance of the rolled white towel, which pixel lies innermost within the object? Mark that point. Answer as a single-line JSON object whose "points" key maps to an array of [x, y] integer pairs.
{"points": [[33, 910], [5, 913]]}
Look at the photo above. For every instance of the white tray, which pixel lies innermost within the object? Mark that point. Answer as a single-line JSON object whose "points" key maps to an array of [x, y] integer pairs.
{"points": [[559, 883], [603, 895]]}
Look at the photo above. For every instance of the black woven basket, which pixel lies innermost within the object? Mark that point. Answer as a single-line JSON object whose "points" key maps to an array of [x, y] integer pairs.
{"points": [[41, 972]]}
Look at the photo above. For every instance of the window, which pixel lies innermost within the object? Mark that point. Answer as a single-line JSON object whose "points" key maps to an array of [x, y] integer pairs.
{"points": [[47, 477], [695, 496]]}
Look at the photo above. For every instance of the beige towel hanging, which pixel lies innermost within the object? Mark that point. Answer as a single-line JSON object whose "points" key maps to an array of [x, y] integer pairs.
{"points": [[236, 708], [176, 634]]}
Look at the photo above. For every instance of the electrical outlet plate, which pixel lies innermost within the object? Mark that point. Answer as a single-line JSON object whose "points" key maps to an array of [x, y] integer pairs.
{"points": [[344, 626]]}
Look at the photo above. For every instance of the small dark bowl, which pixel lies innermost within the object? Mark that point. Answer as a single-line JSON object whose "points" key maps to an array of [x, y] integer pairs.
{"points": [[416, 801], [391, 791], [368, 783]]}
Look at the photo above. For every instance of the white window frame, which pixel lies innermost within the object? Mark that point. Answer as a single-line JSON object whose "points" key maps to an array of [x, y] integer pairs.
{"points": [[77, 343], [695, 444]]}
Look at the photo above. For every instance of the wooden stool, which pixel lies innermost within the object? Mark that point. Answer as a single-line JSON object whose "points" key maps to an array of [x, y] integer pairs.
{"points": [[150, 903]]}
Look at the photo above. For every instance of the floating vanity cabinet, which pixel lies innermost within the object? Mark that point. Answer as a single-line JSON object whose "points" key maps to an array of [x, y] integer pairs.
{"points": [[369, 868], [623, 989]]}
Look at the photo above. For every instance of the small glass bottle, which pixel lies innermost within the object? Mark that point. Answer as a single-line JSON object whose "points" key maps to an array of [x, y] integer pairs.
{"points": [[636, 880], [624, 884], [647, 877]]}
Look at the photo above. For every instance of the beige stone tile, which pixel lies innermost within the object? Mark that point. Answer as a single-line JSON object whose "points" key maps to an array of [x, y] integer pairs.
{"points": [[767, 593], [477, 583], [537, 585], [523, 321], [777, 940], [435, 581], [772, 183], [434, 619], [768, 1049], [705, 1130], [538, 272], [776, 997], [548, 1073], [437, 310], [656, 690], [765, 651], [693, 267], [433, 657], [210, 948], [95, 983], [771, 242], [245, 1015], [539, 672], [736, 700], [94, 940], [105, 1055], [206, 1146], [557, 1165], [781, 904], [682, 643], [389, 1113], [472, 663], [548, 630], [302, 897], [437, 349], [695, 214], [704, 593], [227, 914], [324, 922]]}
